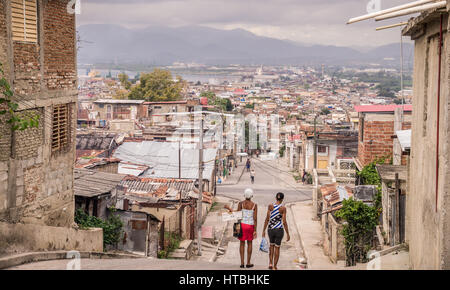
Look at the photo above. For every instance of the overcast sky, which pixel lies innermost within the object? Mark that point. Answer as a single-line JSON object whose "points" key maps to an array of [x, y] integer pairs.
{"points": [[305, 21]]}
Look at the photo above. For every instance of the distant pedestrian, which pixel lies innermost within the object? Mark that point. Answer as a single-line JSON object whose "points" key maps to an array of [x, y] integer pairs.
{"points": [[248, 164], [276, 220], [252, 175], [304, 176], [249, 225]]}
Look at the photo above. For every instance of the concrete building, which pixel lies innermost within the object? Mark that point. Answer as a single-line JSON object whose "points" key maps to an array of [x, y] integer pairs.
{"points": [[158, 111], [333, 150], [109, 110], [38, 53], [428, 200]]}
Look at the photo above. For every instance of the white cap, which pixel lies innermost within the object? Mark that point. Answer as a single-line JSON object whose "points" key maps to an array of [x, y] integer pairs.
{"points": [[248, 194]]}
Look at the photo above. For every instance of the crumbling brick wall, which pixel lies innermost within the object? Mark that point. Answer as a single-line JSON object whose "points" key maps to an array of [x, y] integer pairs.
{"points": [[26, 143], [27, 75], [36, 182], [3, 34], [5, 138], [60, 51]]}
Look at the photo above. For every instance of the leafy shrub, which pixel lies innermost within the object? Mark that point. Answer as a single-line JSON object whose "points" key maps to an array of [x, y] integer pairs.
{"points": [[171, 243], [282, 150], [112, 227], [369, 176], [358, 230]]}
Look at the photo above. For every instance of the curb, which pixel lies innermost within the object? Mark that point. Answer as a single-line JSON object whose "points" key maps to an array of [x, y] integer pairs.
{"points": [[302, 244], [214, 258], [242, 173], [237, 182], [26, 258]]}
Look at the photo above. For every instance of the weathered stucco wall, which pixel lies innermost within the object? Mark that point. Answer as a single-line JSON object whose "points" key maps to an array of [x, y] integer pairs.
{"points": [[428, 231], [26, 237]]}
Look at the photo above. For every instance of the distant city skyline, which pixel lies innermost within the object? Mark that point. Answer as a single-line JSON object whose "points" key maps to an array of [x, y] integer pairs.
{"points": [[304, 21]]}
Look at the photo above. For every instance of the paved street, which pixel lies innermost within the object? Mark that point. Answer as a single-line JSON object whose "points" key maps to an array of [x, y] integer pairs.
{"points": [[269, 180], [127, 264]]}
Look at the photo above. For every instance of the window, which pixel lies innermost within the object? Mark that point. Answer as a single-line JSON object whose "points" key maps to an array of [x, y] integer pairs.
{"points": [[24, 20], [61, 127], [322, 149]]}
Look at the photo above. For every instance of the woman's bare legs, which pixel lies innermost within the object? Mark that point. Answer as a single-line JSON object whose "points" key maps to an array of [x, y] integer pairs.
{"points": [[241, 252], [249, 251], [271, 248], [276, 257]]}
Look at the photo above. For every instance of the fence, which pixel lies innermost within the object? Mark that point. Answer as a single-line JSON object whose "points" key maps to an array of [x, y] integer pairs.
{"points": [[345, 176], [177, 226]]}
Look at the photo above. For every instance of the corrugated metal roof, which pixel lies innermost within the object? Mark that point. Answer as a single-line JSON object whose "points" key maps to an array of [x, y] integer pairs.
{"points": [[131, 169], [114, 101], [162, 158], [381, 108], [88, 183], [404, 137], [150, 185]]}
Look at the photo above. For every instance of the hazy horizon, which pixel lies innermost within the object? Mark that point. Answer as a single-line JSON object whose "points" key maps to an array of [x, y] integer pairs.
{"points": [[308, 22]]}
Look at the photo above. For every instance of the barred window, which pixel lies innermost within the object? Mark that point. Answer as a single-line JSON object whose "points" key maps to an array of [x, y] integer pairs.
{"points": [[61, 127], [24, 20]]}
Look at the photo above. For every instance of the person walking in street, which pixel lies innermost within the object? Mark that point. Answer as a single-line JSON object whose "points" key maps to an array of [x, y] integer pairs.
{"points": [[304, 176], [248, 165], [248, 224], [276, 220], [252, 175]]}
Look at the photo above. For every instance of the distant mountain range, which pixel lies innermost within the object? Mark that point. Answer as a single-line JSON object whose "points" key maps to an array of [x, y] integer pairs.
{"points": [[104, 43]]}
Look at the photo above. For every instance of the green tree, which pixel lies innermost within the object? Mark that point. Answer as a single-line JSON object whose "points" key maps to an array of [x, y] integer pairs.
{"points": [[210, 95], [157, 86], [250, 106], [222, 104], [124, 80], [325, 111], [228, 105]]}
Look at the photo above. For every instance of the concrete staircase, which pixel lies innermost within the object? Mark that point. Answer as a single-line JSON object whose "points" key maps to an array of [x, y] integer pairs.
{"points": [[184, 252]]}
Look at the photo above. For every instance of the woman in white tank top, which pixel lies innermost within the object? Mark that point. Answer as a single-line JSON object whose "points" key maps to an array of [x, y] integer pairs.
{"points": [[248, 224]]}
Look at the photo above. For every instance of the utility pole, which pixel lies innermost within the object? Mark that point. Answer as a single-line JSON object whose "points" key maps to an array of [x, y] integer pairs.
{"points": [[200, 189], [401, 68], [179, 159], [315, 141]]}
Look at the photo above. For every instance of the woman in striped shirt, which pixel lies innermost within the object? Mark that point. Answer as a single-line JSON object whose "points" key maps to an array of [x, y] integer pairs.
{"points": [[276, 220]]}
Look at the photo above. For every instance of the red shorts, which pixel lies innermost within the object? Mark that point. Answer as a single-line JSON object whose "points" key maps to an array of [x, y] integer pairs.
{"points": [[247, 232]]}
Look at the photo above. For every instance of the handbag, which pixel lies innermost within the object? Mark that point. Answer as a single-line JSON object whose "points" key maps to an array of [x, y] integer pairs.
{"points": [[237, 229]]}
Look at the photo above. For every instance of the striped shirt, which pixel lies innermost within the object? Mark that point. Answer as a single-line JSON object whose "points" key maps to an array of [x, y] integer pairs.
{"points": [[275, 221]]}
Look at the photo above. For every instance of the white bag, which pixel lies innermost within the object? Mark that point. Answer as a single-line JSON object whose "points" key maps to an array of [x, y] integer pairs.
{"points": [[264, 246]]}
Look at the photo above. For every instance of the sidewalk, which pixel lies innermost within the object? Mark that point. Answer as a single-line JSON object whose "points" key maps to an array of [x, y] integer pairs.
{"points": [[213, 230], [234, 178], [311, 237]]}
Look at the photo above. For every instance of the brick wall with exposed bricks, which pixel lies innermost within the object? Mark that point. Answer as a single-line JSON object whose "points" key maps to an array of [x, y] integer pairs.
{"points": [[377, 141]]}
